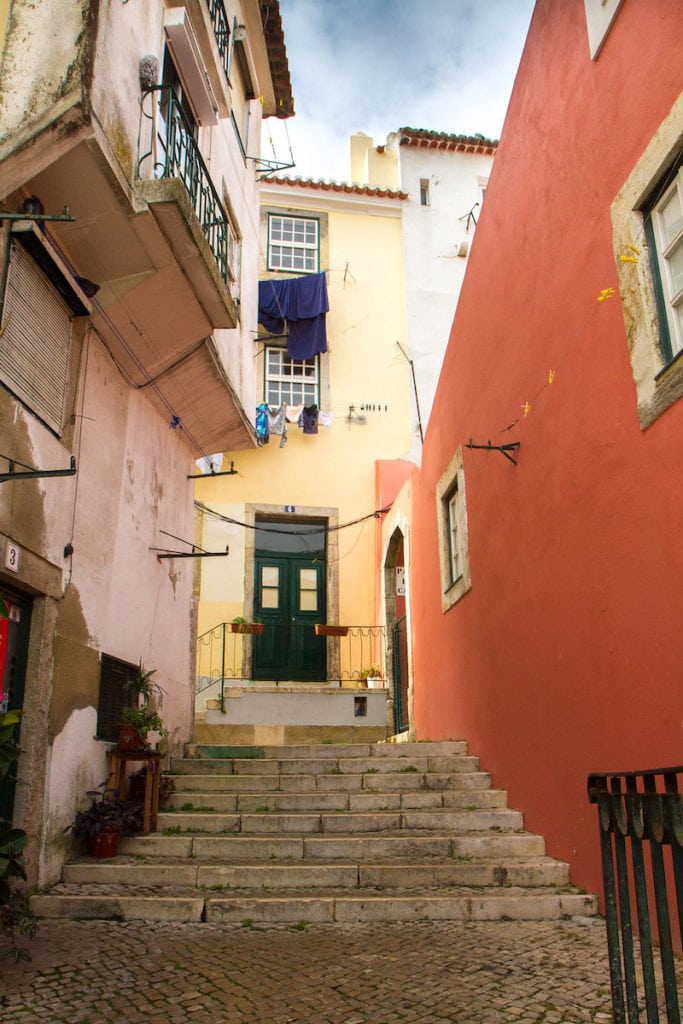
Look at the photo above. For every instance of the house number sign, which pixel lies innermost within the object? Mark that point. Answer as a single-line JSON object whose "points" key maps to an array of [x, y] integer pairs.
{"points": [[12, 553]]}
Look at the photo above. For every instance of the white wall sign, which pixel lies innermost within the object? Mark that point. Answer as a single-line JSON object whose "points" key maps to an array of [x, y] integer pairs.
{"points": [[400, 581], [12, 553]]}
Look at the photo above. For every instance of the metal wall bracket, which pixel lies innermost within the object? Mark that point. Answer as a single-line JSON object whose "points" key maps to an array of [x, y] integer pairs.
{"points": [[163, 553], [26, 473], [505, 449]]}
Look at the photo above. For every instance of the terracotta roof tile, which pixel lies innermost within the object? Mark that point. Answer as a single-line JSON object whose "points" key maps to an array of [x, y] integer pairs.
{"points": [[350, 188], [277, 57], [442, 140]]}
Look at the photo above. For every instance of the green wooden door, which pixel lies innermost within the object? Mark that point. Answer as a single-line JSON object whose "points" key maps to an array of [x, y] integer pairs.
{"points": [[290, 588]]}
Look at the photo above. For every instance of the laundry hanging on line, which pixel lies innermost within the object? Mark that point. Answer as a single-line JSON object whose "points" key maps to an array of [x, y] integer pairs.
{"points": [[273, 419], [302, 302]]}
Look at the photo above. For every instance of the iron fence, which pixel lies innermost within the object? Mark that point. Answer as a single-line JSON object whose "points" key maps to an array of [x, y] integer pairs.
{"points": [[354, 653], [640, 816], [168, 149]]}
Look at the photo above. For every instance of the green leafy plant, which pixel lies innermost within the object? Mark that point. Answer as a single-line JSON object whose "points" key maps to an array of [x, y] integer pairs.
{"points": [[106, 814], [143, 718], [141, 688], [14, 912]]}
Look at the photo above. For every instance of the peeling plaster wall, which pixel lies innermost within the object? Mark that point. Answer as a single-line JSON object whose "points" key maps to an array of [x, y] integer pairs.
{"points": [[51, 40]]}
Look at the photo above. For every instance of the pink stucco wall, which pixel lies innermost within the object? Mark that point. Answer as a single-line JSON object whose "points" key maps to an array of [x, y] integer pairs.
{"points": [[567, 654]]}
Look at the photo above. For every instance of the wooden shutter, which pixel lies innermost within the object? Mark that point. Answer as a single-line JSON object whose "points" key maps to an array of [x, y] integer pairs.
{"points": [[35, 343]]}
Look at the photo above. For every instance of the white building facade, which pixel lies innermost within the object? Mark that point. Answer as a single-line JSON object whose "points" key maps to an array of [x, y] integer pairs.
{"points": [[445, 177]]}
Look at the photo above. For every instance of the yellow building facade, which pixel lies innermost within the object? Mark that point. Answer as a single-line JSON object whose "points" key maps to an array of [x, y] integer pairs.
{"points": [[300, 514]]}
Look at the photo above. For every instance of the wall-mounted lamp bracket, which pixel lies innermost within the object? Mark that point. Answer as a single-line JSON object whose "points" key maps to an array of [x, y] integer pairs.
{"points": [[505, 449]]}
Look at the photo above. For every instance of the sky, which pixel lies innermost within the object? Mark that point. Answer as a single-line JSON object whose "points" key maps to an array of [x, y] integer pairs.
{"points": [[378, 65]]}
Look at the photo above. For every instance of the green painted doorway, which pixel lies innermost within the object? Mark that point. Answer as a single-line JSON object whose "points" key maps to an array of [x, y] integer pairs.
{"points": [[290, 588]]}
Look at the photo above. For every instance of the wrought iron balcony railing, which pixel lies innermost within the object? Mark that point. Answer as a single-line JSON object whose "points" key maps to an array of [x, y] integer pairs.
{"points": [[221, 31], [168, 149], [224, 655]]}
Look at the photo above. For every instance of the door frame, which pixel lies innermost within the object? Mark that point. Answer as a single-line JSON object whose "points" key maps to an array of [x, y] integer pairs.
{"points": [[288, 514], [397, 532]]}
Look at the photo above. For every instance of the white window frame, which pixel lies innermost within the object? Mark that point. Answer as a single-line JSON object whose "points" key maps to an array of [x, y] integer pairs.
{"points": [[666, 249], [658, 379], [599, 17], [451, 510], [288, 252], [307, 378]]}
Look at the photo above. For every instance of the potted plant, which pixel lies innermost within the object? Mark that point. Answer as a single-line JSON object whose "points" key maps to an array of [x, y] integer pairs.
{"points": [[135, 722], [100, 825], [240, 625], [138, 717], [372, 677]]}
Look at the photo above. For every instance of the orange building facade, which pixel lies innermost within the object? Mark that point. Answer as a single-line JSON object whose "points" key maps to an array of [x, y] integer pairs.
{"points": [[546, 572]]}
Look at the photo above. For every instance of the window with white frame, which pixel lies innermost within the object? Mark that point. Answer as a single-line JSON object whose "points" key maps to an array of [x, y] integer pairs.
{"points": [[293, 243], [647, 233], [290, 381], [452, 524], [664, 231]]}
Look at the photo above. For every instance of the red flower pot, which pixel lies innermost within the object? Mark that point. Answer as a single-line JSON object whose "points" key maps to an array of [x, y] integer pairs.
{"points": [[106, 844]]}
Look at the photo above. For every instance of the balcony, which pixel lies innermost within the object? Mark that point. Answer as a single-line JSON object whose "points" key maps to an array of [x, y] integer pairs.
{"points": [[175, 182]]}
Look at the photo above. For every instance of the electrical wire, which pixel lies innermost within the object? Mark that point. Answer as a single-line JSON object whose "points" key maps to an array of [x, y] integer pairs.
{"points": [[315, 528]]}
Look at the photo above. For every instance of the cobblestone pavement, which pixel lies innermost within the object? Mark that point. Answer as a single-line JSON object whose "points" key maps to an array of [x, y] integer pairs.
{"points": [[399, 973]]}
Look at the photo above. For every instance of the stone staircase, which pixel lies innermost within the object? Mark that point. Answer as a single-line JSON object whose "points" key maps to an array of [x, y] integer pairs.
{"points": [[322, 833]]}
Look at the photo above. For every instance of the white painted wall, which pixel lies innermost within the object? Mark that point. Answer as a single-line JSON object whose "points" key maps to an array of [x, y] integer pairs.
{"points": [[432, 238]]}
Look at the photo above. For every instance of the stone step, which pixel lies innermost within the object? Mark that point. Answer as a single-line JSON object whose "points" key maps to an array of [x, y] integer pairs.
{"points": [[442, 763], [533, 872], [451, 904], [261, 802], [241, 848], [342, 821], [336, 783], [327, 832], [328, 750]]}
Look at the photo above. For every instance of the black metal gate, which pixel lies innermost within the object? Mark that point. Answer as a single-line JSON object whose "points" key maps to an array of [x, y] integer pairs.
{"points": [[641, 814], [400, 668]]}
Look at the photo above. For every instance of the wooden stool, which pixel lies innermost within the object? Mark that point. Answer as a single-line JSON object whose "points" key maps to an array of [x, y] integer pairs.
{"points": [[117, 781]]}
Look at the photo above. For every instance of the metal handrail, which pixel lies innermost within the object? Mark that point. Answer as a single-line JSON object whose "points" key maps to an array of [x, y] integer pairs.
{"points": [[173, 153], [641, 813]]}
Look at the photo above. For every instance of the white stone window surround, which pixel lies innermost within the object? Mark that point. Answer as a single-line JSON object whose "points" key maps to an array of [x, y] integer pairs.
{"points": [[658, 383], [451, 511], [293, 243], [600, 15]]}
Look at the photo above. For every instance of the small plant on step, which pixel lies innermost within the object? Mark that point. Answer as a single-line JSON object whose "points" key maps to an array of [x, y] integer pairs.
{"points": [[14, 913]]}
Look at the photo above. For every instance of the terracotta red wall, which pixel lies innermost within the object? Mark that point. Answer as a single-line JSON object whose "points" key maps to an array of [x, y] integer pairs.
{"points": [[567, 654]]}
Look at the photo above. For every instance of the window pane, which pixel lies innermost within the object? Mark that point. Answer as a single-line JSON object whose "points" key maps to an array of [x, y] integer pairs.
{"points": [[672, 217], [675, 262]]}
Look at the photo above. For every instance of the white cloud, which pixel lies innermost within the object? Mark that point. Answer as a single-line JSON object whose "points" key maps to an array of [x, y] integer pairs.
{"points": [[378, 65]]}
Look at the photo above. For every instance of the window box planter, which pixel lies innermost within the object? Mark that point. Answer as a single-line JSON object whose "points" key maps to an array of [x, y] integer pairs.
{"points": [[246, 627], [323, 630]]}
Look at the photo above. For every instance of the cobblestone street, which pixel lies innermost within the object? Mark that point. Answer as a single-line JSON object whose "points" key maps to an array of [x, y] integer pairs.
{"points": [[421, 973]]}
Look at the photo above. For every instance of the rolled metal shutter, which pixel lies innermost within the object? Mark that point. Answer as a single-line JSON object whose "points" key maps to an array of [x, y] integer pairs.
{"points": [[35, 343]]}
